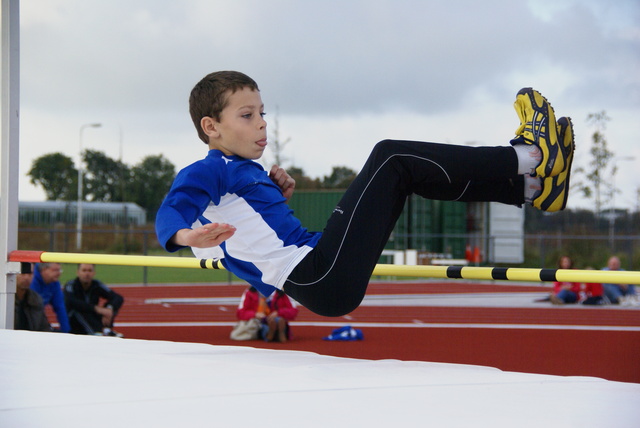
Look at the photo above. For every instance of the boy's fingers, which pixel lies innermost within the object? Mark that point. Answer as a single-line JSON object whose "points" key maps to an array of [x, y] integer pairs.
{"points": [[281, 177], [278, 173], [273, 173], [283, 180], [217, 226]]}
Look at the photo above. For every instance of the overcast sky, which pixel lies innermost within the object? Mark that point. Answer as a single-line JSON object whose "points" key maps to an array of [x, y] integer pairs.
{"points": [[339, 75]]}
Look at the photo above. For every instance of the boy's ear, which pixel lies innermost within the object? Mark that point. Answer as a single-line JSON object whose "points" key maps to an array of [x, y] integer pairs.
{"points": [[209, 126]]}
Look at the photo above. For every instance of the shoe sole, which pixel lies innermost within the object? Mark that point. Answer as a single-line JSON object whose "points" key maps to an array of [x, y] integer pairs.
{"points": [[568, 127], [540, 131], [547, 201]]}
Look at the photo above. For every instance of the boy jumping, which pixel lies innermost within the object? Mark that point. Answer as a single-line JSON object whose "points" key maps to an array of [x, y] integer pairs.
{"points": [[227, 205]]}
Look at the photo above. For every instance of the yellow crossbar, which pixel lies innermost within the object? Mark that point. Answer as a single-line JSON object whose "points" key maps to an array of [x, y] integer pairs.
{"points": [[451, 272]]}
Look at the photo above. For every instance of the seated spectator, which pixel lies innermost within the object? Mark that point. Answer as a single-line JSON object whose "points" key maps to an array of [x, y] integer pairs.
{"points": [[46, 283], [591, 293], [618, 293], [29, 309], [83, 296], [565, 292], [280, 312], [274, 313], [249, 316]]}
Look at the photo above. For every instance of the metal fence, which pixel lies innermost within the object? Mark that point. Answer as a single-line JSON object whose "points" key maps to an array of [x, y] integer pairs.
{"points": [[540, 250], [586, 251], [114, 240]]}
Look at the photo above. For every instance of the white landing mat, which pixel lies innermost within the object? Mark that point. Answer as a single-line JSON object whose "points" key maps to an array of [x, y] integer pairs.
{"points": [[56, 380]]}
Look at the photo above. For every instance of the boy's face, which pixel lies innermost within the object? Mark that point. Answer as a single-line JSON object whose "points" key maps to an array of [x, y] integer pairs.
{"points": [[241, 131]]}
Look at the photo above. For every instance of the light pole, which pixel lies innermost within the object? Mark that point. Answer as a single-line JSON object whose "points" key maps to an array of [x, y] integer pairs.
{"points": [[612, 214], [80, 195], [124, 199]]}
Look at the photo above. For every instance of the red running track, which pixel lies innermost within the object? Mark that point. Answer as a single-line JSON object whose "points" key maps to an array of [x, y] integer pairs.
{"points": [[537, 338]]}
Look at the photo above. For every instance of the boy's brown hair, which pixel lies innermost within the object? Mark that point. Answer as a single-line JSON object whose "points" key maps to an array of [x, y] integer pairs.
{"points": [[209, 97]]}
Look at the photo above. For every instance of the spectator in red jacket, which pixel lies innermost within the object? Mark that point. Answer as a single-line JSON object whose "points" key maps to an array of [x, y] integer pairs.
{"points": [[591, 293], [565, 292], [274, 312]]}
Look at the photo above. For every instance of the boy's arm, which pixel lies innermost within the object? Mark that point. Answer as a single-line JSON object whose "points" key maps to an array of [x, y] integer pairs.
{"points": [[283, 180], [209, 235], [194, 188]]}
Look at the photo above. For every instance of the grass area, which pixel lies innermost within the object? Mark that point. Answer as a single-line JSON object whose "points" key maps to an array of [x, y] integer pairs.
{"points": [[113, 275]]}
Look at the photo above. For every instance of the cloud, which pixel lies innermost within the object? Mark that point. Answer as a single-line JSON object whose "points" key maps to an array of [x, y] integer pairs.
{"points": [[331, 57], [329, 68]]}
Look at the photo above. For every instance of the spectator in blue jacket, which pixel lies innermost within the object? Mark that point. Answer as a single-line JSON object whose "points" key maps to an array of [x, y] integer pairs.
{"points": [[46, 283], [619, 293]]}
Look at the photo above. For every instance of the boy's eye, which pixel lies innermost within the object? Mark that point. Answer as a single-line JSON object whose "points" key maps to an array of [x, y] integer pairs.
{"points": [[250, 115]]}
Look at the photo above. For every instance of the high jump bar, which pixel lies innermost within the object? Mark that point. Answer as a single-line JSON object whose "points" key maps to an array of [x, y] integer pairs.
{"points": [[422, 271]]}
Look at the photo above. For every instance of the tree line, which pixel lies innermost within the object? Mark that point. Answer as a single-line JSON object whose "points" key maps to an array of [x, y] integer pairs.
{"points": [[104, 179], [108, 180], [146, 183]]}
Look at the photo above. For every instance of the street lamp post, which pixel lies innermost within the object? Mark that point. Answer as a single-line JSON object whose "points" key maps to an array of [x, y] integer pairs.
{"points": [[80, 195]]}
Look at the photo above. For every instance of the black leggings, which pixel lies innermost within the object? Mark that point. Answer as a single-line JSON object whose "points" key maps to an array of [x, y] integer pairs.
{"points": [[333, 278]]}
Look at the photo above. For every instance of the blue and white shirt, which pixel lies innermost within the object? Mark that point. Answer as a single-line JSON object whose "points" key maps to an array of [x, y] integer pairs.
{"points": [[269, 241]]}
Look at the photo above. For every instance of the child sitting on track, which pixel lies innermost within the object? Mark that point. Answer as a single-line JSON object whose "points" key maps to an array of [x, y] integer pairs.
{"points": [[227, 202]]}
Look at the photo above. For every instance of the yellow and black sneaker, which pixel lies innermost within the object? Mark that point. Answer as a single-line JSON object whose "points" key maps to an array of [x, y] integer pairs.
{"points": [[555, 190], [538, 127]]}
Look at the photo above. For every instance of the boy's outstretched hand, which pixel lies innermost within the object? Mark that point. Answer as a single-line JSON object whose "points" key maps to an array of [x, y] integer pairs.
{"points": [[209, 235], [283, 180]]}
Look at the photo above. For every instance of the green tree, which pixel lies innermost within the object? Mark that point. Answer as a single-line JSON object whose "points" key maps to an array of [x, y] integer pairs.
{"points": [[57, 175], [303, 182], [106, 179], [150, 181], [340, 178], [600, 159]]}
